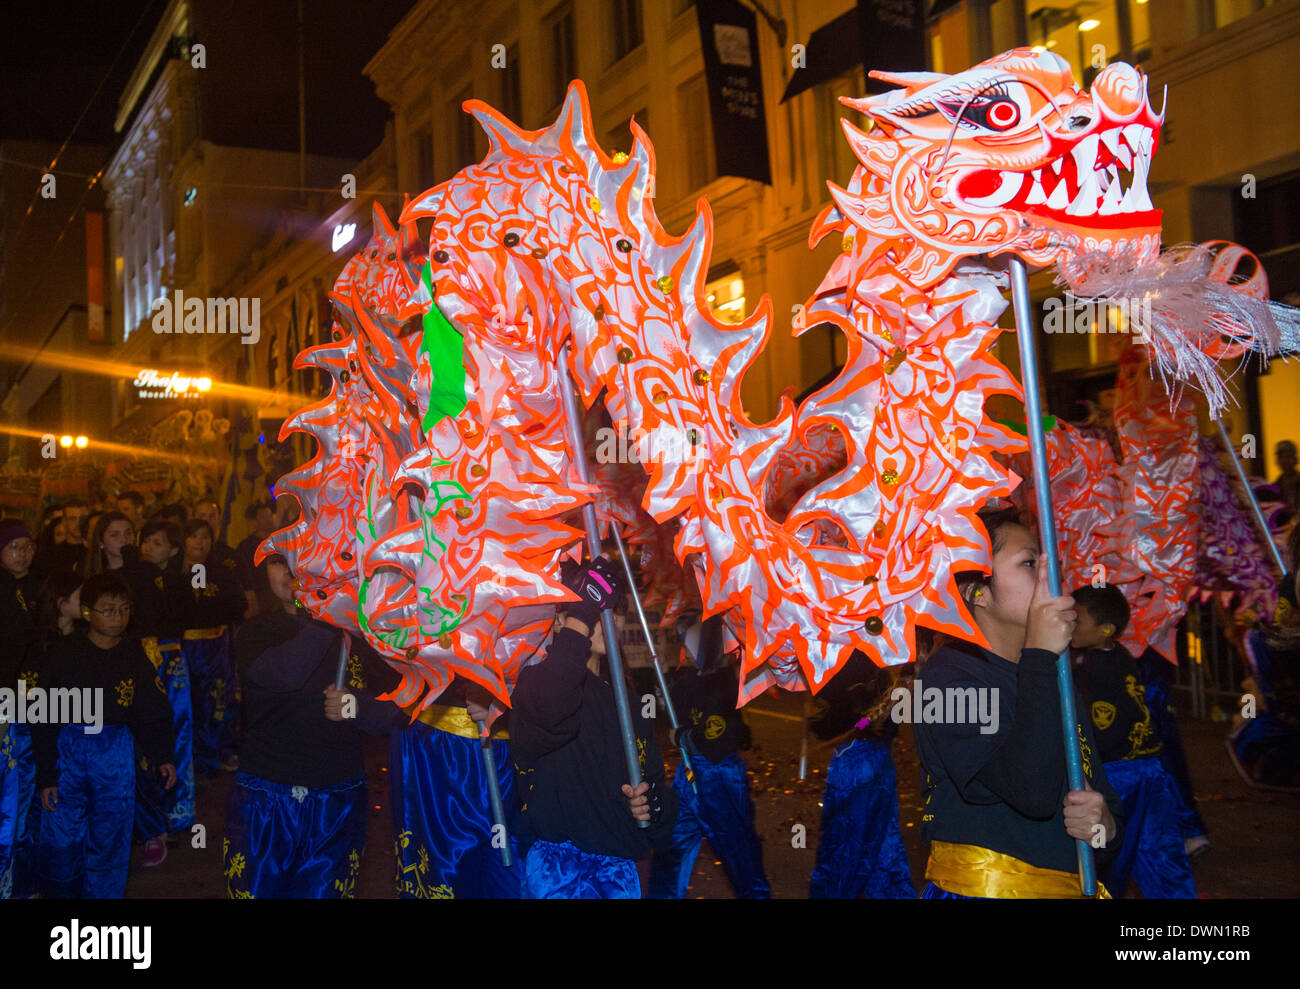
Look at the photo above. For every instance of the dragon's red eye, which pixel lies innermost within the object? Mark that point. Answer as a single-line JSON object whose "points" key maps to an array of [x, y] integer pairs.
{"points": [[1003, 114]]}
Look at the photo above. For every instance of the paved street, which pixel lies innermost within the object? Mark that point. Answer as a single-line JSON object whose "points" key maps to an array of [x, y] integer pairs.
{"points": [[1255, 838]]}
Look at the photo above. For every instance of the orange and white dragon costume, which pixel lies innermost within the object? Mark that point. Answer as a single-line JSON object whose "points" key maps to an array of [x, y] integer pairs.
{"points": [[433, 512]]}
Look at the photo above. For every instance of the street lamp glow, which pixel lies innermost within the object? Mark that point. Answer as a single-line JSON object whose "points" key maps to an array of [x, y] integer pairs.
{"points": [[1089, 24], [203, 384], [81, 442], [65, 441]]}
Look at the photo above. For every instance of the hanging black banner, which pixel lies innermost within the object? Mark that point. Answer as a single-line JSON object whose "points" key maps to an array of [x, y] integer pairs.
{"points": [[729, 39], [892, 35]]}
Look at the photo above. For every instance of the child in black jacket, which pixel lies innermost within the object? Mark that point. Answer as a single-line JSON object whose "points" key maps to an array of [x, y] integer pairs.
{"points": [[84, 757], [582, 815]]}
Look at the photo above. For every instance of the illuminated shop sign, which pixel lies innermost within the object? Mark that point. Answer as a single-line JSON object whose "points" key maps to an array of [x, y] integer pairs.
{"points": [[150, 383]]}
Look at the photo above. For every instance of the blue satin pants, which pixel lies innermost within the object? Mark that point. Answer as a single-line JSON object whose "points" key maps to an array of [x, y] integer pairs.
{"points": [[1172, 757], [722, 812], [9, 814], [287, 842], [158, 811], [860, 852], [214, 700], [1152, 851], [27, 825], [562, 871], [442, 816], [85, 843]]}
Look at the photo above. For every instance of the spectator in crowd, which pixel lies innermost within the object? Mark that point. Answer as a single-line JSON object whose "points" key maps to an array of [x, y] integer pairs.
{"points": [[131, 504]]}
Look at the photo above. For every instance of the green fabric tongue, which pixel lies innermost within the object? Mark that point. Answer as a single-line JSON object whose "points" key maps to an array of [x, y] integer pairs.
{"points": [[1023, 428], [444, 348]]}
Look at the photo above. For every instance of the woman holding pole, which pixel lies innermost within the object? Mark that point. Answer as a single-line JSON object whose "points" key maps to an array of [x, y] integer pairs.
{"points": [[1001, 817]]}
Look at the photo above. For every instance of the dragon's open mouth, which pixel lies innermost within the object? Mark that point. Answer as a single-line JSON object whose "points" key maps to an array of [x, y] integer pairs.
{"points": [[1101, 179]]}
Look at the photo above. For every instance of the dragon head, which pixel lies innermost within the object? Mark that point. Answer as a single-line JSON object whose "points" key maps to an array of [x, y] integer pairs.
{"points": [[1009, 156]]}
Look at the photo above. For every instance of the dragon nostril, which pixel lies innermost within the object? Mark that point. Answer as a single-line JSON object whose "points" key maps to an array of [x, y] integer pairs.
{"points": [[1079, 121]]}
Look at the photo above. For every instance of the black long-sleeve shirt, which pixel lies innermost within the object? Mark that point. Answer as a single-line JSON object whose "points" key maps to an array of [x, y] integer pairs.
{"points": [[156, 596], [846, 700], [17, 622], [220, 601], [1111, 687], [1005, 790], [706, 705], [566, 746], [130, 691], [285, 663]]}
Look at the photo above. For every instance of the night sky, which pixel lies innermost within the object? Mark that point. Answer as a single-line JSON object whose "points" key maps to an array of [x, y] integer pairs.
{"points": [[54, 55]]}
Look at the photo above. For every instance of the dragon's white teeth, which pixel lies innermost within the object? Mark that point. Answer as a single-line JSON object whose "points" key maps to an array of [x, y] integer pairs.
{"points": [[1112, 202], [1125, 155], [1085, 154], [1060, 197], [1085, 203], [1036, 194], [1057, 164], [1110, 138]]}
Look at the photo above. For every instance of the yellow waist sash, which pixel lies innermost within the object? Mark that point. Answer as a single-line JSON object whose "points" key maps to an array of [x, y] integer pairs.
{"points": [[455, 720], [970, 870], [205, 633]]}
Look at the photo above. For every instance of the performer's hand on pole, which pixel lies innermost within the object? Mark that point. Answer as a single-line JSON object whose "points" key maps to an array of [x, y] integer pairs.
{"points": [[334, 703], [645, 802], [1051, 620], [1084, 810], [477, 702], [598, 585]]}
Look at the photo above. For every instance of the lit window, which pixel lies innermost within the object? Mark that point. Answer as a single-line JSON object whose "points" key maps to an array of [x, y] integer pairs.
{"points": [[726, 297]]}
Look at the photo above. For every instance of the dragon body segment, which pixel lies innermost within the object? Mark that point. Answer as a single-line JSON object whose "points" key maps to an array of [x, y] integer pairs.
{"points": [[546, 261]]}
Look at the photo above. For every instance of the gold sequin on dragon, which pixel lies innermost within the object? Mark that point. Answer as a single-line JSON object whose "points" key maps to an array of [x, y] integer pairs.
{"points": [[895, 360], [874, 625], [625, 355], [665, 283]]}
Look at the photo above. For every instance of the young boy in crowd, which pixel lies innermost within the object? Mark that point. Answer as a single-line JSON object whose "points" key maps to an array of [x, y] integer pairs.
{"points": [[85, 765], [19, 585], [718, 807], [1111, 688], [582, 814], [156, 584]]}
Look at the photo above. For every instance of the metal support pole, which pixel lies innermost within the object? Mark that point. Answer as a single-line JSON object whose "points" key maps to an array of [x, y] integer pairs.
{"points": [[578, 452], [494, 789], [344, 649], [654, 655], [803, 743], [1250, 496], [1047, 533]]}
